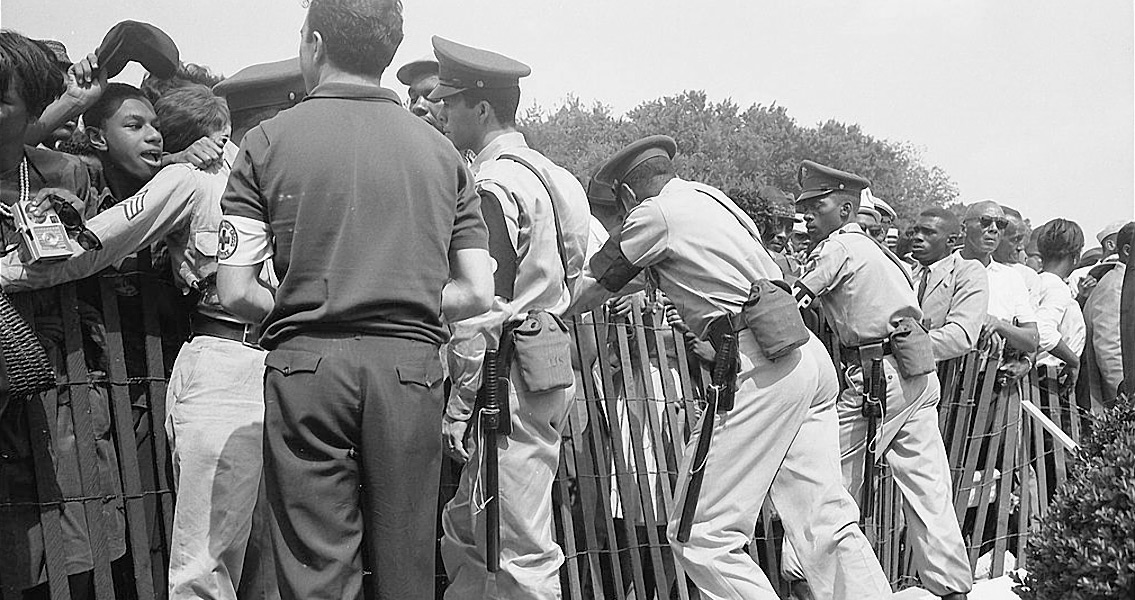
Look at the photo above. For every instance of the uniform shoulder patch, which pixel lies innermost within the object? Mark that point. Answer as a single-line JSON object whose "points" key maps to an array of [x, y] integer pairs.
{"points": [[227, 240]]}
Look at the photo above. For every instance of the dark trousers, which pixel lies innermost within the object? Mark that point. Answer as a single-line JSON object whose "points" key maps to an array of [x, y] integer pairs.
{"points": [[352, 453]]}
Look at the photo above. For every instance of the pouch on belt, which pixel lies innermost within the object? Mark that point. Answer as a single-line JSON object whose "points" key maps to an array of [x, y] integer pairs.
{"points": [[771, 313], [912, 348], [543, 352]]}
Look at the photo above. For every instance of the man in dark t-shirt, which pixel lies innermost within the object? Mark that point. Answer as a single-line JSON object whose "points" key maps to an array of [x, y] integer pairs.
{"points": [[373, 224]]}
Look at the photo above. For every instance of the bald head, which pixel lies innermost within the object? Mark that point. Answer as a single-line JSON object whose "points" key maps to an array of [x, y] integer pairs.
{"points": [[985, 223]]}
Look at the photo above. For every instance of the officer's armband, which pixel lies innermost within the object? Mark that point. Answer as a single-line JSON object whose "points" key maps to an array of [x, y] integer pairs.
{"points": [[803, 295], [611, 267]]}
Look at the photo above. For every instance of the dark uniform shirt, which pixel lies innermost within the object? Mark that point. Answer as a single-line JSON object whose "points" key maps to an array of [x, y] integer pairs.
{"points": [[360, 203]]}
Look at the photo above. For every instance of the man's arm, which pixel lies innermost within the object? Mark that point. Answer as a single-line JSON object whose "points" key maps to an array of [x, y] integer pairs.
{"points": [[243, 293], [85, 85], [469, 291], [161, 206], [966, 313], [1023, 336]]}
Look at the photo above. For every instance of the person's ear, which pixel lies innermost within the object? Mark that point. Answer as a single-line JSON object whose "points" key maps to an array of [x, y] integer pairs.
{"points": [[96, 138], [484, 111], [318, 51]]}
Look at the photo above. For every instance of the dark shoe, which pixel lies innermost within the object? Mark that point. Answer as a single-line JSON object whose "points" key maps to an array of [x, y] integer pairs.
{"points": [[954, 596]]}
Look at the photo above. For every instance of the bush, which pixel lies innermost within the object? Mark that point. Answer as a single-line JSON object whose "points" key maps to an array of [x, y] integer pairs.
{"points": [[1085, 546]]}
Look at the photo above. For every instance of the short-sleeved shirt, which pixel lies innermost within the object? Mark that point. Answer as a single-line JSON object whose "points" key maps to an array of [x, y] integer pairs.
{"points": [[1008, 295], [702, 249], [864, 292], [359, 203], [1058, 318]]}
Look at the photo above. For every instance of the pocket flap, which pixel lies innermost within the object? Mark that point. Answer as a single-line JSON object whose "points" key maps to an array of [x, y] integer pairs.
{"points": [[292, 361], [427, 374]]}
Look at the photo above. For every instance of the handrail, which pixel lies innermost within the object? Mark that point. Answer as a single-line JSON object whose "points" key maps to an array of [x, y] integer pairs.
{"points": [[1051, 427]]}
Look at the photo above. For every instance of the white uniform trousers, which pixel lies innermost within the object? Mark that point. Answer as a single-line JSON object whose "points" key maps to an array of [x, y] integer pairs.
{"points": [[911, 443], [215, 425], [530, 559], [779, 440]]}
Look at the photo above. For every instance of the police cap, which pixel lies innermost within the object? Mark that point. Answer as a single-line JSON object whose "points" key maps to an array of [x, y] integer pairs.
{"points": [[265, 85], [817, 181], [139, 42], [415, 70], [462, 67], [612, 172]]}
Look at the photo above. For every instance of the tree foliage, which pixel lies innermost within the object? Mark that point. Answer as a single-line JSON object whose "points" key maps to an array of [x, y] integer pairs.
{"points": [[740, 150]]}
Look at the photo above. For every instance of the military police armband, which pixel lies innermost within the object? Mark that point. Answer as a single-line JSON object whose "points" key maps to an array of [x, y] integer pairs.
{"points": [[803, 295], [611, 267]]}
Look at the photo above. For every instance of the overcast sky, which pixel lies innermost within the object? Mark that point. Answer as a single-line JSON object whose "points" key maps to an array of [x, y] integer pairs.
{"points": [[1031, 103]]}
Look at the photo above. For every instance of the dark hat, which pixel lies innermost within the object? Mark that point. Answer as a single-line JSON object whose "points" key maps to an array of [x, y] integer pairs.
{"points": [[817, 181], [415, 70], [612, 172], [462, 67], [265, 85], [139, 42], [58, 51], [599, 192], [780, 204]]}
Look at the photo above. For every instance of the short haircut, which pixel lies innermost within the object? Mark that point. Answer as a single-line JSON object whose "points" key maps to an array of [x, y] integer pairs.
{"points": [[189, 113], [504, 102], [658, 166], [360, 36], [1060, 238], [1126, 235], [186, 74], [841, 196], [953, 224], [25, 62], [115, 94]]}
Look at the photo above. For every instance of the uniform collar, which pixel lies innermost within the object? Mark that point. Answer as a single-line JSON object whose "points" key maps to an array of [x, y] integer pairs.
{"points": [[501, 143], [851, 228], [353, 91]]}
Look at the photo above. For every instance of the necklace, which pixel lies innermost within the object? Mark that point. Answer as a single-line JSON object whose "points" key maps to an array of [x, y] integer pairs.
{"points": [[25, 184]]}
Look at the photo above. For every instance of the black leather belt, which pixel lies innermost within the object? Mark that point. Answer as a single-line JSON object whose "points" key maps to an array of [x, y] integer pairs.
{"points": [[849, 355], [238, 332]]}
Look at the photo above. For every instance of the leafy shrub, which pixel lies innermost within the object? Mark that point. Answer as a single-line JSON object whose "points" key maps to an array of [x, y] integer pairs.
{"points": [[1085, 546]]}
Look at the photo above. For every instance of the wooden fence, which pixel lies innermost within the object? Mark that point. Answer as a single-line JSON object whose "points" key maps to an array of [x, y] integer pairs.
{"points": [[615, 486]]}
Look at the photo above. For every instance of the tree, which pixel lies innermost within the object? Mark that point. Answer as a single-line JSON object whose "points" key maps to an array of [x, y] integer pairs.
{"points": [[739, 150]]}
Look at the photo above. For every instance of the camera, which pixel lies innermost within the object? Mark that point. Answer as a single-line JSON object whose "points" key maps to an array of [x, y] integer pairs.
{"points": [[43, 241]]}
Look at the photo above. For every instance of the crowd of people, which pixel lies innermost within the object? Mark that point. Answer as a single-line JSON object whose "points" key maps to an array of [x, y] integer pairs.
{"points": [[345, 261]]}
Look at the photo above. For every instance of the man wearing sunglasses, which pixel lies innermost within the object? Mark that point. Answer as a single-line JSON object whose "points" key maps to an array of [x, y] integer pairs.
{"points": [[1011, 314]]}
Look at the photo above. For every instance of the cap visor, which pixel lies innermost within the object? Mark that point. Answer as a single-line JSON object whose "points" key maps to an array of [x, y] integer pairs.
{"points": [[809, 194], [443, 91]]}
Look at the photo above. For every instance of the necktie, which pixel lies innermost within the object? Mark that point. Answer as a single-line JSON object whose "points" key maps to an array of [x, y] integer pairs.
{"points": [[922, 284]]}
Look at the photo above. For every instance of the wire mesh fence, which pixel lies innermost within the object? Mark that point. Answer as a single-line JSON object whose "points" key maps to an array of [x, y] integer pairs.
{"points": [[85, 486]]}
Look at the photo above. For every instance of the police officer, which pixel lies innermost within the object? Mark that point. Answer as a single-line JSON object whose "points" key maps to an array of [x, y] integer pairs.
{"points": [[420, 78], [778, 439], [867, 296], [537, 215]]}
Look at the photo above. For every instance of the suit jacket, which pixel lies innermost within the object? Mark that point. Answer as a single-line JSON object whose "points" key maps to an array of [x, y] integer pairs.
{"points": [[954, 304], [1101, 314]]}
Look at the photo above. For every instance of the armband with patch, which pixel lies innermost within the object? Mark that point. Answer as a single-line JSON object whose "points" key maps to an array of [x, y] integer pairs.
{"points": [[242, 241], [803, 295], [611, 267]]}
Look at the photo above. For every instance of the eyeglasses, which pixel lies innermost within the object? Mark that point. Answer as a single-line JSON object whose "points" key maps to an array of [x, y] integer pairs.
{"points": [[1001, 222]]}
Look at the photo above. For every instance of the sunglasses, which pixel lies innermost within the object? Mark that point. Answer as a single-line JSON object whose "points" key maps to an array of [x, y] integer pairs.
{"points": [[74, 225], [1001, 222]]}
